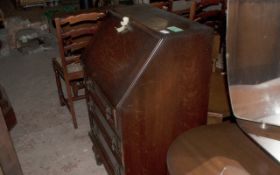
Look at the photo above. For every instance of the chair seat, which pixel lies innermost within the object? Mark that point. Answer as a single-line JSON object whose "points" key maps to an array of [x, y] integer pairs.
{"points": [[71, 68]]}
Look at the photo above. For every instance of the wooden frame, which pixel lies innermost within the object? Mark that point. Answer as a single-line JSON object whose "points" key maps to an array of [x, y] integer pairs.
{"points": [[9, 164]]}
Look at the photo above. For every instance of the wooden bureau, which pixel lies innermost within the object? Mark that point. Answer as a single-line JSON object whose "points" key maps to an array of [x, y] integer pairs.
{"points": [[145, 87]]}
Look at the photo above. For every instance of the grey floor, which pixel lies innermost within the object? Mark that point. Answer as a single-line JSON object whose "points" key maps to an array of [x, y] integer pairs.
{"points": [[44, 138]]}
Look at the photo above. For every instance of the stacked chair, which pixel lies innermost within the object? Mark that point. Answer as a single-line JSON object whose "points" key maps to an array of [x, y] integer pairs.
{"points": [[208, 12], [211, 13]]}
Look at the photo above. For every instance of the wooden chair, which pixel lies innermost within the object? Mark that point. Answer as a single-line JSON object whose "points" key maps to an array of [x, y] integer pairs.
{"points": [[207, 10], [180, 7], [165, 5], [211, 13], [73, 35]]}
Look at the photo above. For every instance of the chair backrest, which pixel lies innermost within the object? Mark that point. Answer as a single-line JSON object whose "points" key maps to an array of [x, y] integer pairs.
{"points": [[74, 33], [180, 7], [165, 5], [206, 9]]}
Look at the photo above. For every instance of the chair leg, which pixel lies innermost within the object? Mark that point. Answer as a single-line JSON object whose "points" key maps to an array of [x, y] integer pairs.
{"points": [[71, 104], [59, 87], [75, 88], [215, 51]]}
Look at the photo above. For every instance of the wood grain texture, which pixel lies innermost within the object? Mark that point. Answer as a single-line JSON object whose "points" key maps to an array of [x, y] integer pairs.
{"points": [[253, 41], [7, 109], [253, 71], [223, 141], [156, 86], [8, 158], [254, 102], [253, 50]]}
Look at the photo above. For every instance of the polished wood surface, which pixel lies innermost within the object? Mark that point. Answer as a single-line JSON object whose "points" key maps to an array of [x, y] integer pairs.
{"points": [[199, 146], [73, 35], [219, 107], [144, 88], [255, 102], [7, 109], [253, 70], [9, 163], [268, 131], [8, 158], [253, 59], [212, 149]]}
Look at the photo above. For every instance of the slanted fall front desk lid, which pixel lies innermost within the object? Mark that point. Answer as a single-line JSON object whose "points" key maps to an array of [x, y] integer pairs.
{"points": [[253, 62], [115, 60]]}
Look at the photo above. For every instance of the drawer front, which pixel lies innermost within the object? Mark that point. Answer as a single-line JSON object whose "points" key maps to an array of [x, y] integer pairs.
{"points": [[110, 161], [102, 102], [96, 118]]}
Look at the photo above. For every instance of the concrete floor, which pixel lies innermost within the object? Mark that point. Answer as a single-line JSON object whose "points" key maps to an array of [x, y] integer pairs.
{"points": [[44, 138]]}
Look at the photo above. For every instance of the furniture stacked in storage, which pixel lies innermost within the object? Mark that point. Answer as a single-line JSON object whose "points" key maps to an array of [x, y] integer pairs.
{"points": [[145, 85]]}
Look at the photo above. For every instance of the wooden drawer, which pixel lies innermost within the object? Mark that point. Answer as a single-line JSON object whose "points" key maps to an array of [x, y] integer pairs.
{"points": [[101, 102], [96, 118], [101, 147]]}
